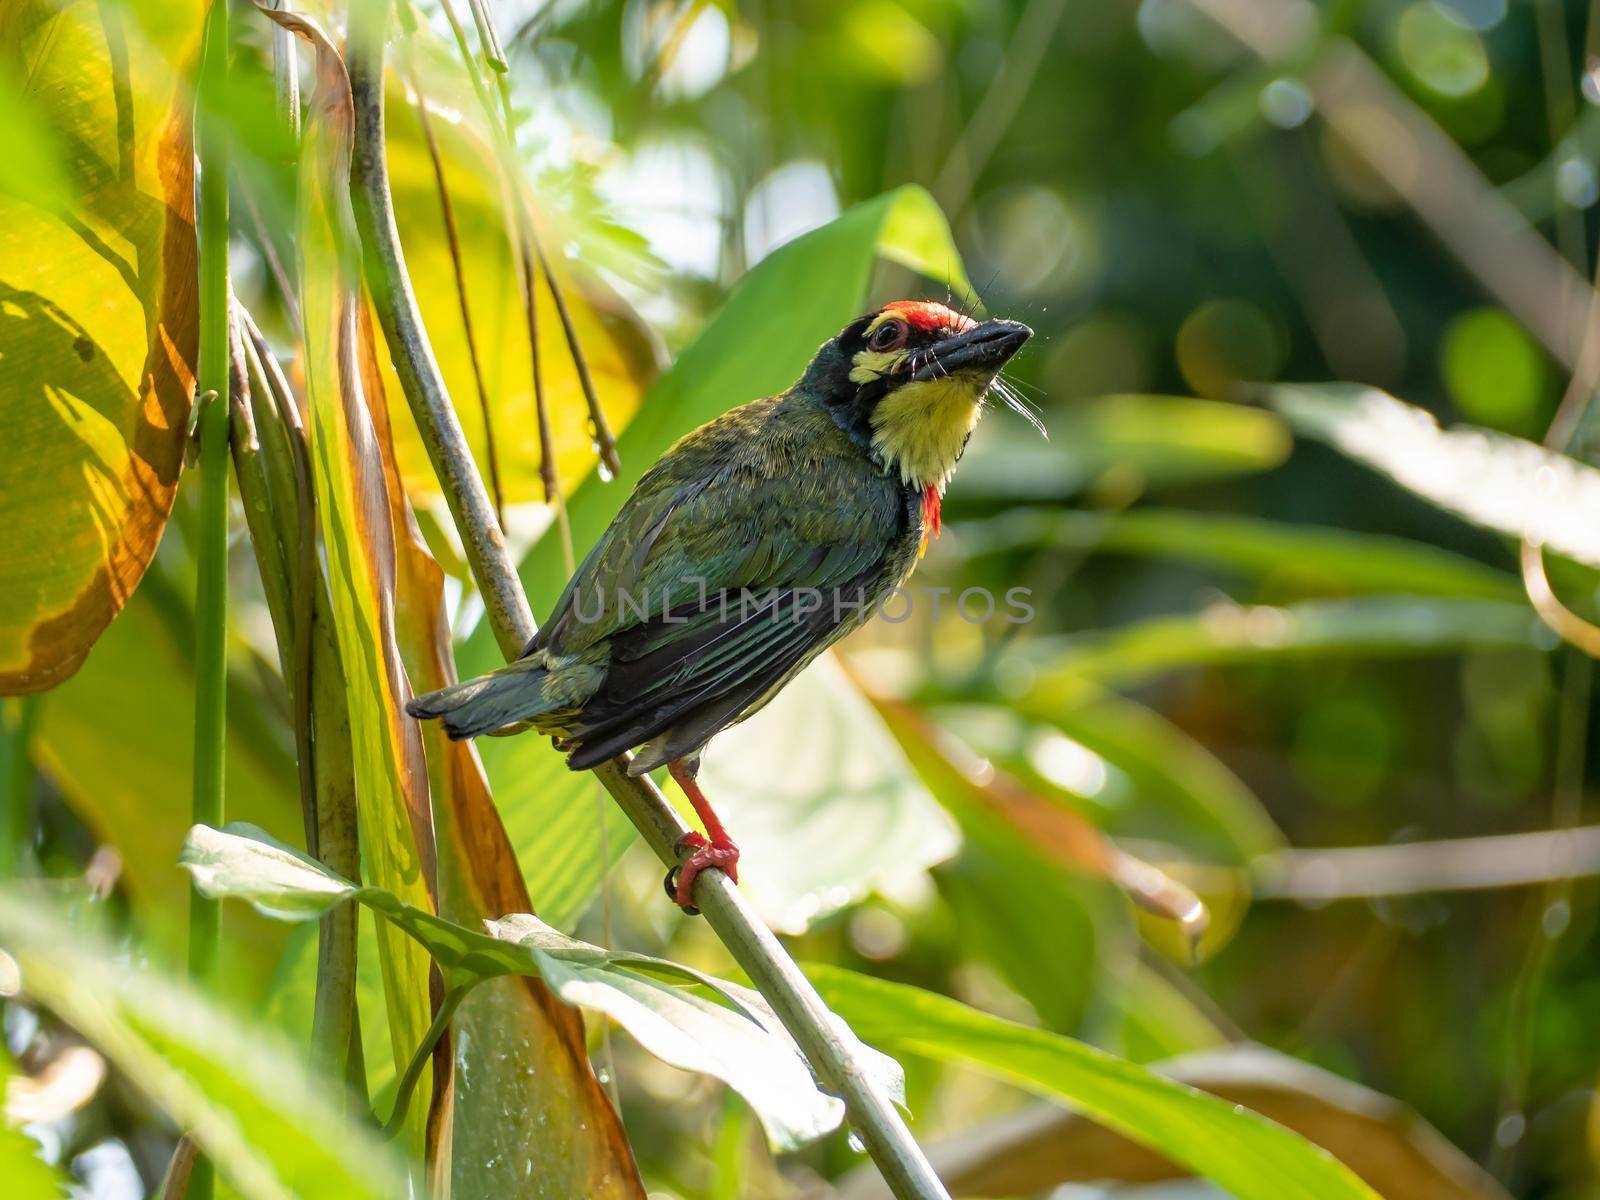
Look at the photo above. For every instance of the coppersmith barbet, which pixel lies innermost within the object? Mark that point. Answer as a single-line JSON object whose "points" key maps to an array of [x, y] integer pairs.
{"points": [[755, 543]]}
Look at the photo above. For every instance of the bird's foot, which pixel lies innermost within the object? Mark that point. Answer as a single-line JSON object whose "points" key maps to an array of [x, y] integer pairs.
{"points": [[702, 853]]}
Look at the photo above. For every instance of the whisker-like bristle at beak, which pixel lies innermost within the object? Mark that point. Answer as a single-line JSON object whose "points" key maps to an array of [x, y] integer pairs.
{"points": [[1017, 403]]}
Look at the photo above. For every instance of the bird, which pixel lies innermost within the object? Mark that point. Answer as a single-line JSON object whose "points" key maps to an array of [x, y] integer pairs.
{"points": [[753, 544]]}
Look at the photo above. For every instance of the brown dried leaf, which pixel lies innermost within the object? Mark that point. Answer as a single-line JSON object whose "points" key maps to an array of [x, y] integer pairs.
{"points": [[527, 1094]]}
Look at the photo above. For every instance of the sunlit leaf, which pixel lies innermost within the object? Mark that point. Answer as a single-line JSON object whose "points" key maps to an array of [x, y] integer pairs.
{"points": [[1044, 1146], [97, 318], [753, 1056], [1250, 1157], [270, 1129], [1306, 559], [1232, 633], [391, 773], [1503, 483], [739, 1041]]}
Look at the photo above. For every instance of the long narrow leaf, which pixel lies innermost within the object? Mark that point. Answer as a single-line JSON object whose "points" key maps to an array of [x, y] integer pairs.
{"points": [[1249, 1156], [353, 509]]}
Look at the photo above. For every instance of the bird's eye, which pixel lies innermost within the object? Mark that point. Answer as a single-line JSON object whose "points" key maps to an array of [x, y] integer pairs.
{"points": [[891, 335]]}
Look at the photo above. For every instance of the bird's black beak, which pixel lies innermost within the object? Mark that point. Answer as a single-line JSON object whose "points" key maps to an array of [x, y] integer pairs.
{"points": [[984, 349]]}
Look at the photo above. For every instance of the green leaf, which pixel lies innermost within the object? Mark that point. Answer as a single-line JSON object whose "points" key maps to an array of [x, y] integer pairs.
{"points": [[272, 1131], [1306, 559], [1038, 1149], [747, 1050], [1159, 1020], [1229, 633], [1047, 927], [757, 345], [1250, 1157], [1512, 486], [1146, 441], [97, 319], [740, 1041], [247, 863]]}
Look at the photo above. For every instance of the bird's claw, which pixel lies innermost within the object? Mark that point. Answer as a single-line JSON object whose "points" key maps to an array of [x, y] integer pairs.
{"points": [[698, 853]]}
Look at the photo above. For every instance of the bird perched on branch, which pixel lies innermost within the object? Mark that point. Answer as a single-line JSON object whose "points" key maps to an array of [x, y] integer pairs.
{"points": [[755, 543]]}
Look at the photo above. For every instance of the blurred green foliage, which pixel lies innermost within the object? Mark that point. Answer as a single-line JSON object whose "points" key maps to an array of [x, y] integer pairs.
{"points": [[1244, 638]]}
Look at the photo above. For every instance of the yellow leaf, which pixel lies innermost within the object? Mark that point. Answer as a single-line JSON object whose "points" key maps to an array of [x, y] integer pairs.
{"points": [[97, 317]]}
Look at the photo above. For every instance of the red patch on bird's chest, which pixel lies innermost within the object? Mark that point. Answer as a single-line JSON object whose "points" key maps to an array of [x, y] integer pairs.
{"points": [[930, 517]]}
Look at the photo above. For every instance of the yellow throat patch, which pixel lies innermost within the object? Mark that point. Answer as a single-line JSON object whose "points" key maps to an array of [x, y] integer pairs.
{"points": [[921, 428]]}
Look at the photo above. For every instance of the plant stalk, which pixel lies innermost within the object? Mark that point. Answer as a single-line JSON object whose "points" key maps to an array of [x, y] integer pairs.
{"points": [[752, 945], [16, 785], [211, 599], [430, 1039]]}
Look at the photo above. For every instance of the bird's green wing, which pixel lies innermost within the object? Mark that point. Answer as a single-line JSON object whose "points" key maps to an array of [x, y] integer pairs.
{"points": [[723, 574], [730, 507]]}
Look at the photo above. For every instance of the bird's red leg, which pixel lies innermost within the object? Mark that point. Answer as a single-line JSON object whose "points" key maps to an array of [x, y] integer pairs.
{"points": [[717, 851]]}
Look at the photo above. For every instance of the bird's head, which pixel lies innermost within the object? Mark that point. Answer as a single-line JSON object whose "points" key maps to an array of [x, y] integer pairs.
{"points": [[908, 383]]}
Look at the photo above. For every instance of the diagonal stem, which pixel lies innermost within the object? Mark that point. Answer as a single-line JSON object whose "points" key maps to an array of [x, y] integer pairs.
{"points": [[452, 237], [751, 944], [424, 1051]]}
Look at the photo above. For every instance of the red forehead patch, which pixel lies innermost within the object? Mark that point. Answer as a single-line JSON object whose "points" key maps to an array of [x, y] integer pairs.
{"points": [[930, 315]]}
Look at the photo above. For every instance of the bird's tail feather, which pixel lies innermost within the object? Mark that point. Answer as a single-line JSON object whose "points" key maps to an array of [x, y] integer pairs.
{"points": [[509, 696]]}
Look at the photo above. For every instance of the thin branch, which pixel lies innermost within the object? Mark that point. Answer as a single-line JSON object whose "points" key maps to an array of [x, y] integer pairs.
{"points": [[269, 251], [502, 123], [605, 443], [488, 37], [175, 1184], [414, 362], [1415, 868], [751, 944], [286, 75], [447, 209]]}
